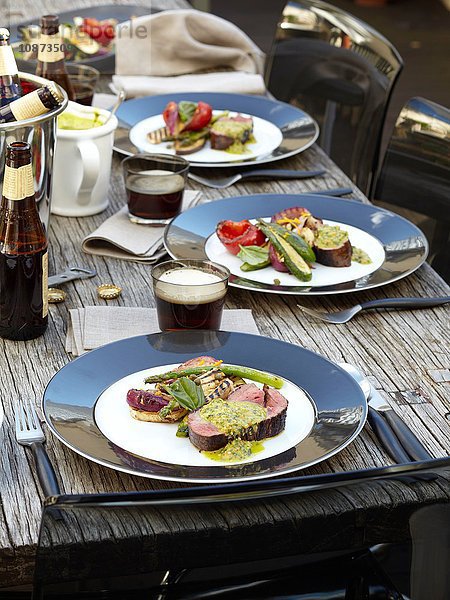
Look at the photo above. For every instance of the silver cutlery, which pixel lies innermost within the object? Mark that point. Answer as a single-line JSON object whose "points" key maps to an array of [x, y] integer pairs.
{"points": [[331, 192], [29, 433], [224, 182], [400, 442], [342, 316], [120, 98], [70, 274]]}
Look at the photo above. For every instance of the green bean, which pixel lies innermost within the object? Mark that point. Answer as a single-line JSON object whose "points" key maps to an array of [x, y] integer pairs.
{"points": [[244, 372]]}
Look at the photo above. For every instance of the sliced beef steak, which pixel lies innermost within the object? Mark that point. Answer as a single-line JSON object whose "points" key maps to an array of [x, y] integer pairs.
{"points": [[206, 436], [248, 392], [199, 361]]}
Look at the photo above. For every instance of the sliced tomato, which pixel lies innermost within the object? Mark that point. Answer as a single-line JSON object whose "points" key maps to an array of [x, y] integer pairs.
{"points": [[233, 234], [201, 117], [102, 32]]}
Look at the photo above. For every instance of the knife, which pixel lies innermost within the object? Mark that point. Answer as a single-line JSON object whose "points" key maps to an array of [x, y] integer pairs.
{"points": [[70, 274], [406, 437]]}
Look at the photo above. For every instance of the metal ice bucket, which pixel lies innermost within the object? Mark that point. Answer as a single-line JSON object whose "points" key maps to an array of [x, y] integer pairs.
{"points": [[40, 132]]}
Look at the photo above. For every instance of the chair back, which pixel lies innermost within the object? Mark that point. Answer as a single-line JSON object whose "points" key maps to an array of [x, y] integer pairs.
{"points": [[132, 543], [340, 71], [416, 171]]}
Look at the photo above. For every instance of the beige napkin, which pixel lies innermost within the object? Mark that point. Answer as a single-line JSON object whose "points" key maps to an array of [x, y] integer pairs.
{"points": [[155, 53], [118, 237], [231, 82], [94, 326]]}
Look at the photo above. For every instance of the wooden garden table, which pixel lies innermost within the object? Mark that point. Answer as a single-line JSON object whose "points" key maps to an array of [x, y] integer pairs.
{"points": [[406, 352]]}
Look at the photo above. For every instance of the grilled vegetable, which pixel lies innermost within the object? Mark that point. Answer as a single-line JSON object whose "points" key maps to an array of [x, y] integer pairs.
{"points": [[332, 247], [229, 370], [187, 116], [290, 214], [234, 234], [159, 135], [294, 262], [199, 118], [277, 260], [188, 146], [297, 242]]}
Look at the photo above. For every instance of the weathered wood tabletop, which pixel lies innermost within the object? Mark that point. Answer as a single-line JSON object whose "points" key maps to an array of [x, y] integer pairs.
{"points": [[406, 352]]}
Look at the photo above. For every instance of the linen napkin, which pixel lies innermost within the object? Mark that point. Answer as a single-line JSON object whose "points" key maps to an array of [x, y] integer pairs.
{"points": [[231, 82], [157, 53], [94, 326], [118, 237]]}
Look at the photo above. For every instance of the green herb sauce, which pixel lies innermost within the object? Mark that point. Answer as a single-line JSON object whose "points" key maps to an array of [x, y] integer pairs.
{"points": [[360, 256], [231, 417], [235, 450], [331, 236], [231, 128], [237, 147], [71, 121]]}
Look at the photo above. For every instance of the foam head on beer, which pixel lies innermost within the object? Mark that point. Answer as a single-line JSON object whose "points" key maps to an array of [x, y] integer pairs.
{"points": [[190, 297]]}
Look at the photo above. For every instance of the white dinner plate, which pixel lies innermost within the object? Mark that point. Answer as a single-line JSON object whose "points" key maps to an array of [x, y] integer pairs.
{"points": [[321, 275], [158, 441], [267, 138]]}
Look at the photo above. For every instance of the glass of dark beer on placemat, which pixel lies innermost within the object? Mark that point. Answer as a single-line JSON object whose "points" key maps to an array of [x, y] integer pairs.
{"points": [[155, 186], [189, 294]]}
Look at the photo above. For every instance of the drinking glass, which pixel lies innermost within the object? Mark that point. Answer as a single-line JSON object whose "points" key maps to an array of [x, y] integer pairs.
{"points": [[84, 79], [155, 185], [190, 294]]}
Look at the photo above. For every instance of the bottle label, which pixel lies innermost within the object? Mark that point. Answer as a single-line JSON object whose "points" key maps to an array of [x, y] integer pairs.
{"points": [[45, 284], [50, 48], [7, 61], [18, 183], [28, 106]]}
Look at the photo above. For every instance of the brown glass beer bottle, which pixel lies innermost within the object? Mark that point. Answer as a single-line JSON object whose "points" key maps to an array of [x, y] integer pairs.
{"points": [[9, 77], [23, 251], [31, 105], [50, 62]]}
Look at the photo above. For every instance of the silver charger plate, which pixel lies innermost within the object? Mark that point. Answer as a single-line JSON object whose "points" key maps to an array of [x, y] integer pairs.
{"points": [[405, 246], [70, 399], [298, 129]]}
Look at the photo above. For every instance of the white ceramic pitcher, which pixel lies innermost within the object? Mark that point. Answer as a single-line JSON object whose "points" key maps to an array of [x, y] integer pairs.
{"points": [[82, 165]]}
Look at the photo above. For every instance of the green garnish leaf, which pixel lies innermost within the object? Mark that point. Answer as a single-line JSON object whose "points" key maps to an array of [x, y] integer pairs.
{"points": [[186, 110], [254, 255], [186, 393]]}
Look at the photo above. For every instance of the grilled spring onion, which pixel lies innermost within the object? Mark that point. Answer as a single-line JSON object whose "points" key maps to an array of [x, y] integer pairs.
{"points": [[229, 370]]}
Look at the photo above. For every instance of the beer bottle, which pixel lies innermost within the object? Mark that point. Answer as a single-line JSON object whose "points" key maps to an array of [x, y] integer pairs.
{"points": [[32, 105], [23, 251], [50, 62], [9, 77]]}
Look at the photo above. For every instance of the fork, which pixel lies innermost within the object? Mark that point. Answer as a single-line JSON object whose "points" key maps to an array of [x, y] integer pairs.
{"points": [[225, 182], [342, 316], [29, 433]]}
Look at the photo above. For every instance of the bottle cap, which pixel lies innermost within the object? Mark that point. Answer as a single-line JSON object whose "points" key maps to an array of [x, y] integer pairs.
{"points": [[109, 291], [55, 295], [55, 91]]}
